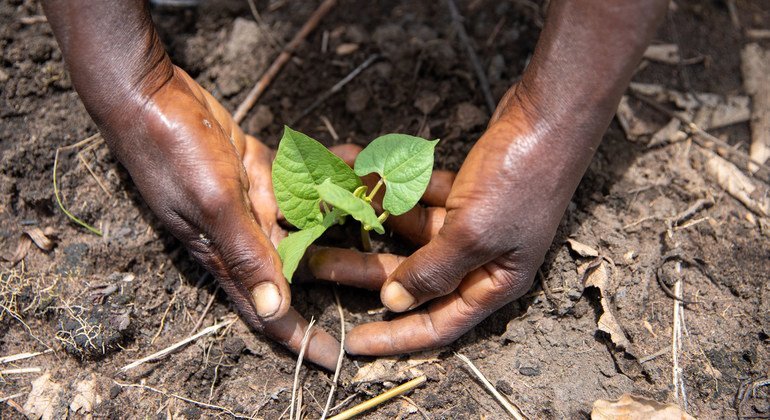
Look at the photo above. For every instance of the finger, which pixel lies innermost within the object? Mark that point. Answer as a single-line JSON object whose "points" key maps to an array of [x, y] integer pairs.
{"points": [[257, 160], [438, 188], [482, 292], [347, 152], [432, 271], [353, 268], [322, 349], [420, 224]]}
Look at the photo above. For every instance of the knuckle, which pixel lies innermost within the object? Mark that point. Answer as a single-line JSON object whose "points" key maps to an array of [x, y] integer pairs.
{"points": [[246, 267]]}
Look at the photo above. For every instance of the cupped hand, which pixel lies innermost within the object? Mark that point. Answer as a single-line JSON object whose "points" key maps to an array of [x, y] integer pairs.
{"points": [[211, 187], [481, 248]]}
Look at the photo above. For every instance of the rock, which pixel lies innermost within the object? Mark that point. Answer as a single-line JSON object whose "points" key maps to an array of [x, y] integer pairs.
{"points": [[529, 370], [346, 48], [426, 102], [468, 116], [357, 100], [3, 76], [262, 117], [504, 387]]}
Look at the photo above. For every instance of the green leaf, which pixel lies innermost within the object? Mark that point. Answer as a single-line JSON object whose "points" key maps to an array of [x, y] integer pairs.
{"points": [[293, 247], [405, 164], [344, 200], [300, 164]]}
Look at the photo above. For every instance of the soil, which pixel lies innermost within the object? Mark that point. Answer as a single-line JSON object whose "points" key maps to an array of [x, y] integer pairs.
{"points": [[103, 302]]}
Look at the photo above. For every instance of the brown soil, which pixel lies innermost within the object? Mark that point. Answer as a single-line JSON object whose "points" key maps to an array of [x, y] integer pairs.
{"points": [[544, 350]]}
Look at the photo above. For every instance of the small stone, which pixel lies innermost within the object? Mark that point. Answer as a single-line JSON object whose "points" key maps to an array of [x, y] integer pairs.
{"points": [[468, 116], [346, 48], [356, 100], [426, 102], [504, 387], [115, 391], [3, 76], [574, 294], [261, 119], [529, 370]]}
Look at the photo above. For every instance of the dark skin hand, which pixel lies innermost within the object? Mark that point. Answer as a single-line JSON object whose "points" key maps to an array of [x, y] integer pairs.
{"points": [[483, 248], [484, 233]]}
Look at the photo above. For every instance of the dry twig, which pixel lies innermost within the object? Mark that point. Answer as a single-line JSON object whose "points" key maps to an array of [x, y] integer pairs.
{"points": [[512, 410], [172, 348], [22, 356], [283, 57], [300, 357], [385, 396], [341, 356]]}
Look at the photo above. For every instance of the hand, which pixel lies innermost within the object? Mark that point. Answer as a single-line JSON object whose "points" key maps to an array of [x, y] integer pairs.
{"points": [[211, 187], [482, 250]]}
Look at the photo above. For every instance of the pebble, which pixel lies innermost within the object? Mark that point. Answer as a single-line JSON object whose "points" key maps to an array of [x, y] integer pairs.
{"points": [[468, 116], [357, 100], [426, 102], [346, 48], [529, 370], [504, 387], [3, 76]]}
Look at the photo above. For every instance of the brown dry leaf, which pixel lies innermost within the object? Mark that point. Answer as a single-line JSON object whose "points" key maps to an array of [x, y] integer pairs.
{"points": [[582, 249], [86, 397], [741, 187], [663, 53], [28, 236], [393, 370], [599, 278], [755, 65], [631, 407], [44, 401]]}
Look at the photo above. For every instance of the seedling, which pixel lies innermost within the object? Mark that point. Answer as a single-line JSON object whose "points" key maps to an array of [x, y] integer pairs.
{"points": [[316, 189]]}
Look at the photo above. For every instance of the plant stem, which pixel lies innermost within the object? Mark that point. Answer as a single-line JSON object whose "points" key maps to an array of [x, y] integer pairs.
{"points": [[375, 190], [383, 217], [360, 191], [366, 241], [326, 208]]}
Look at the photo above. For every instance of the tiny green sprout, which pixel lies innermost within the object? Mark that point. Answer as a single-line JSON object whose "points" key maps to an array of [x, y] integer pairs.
{"points": [[315, 189]]}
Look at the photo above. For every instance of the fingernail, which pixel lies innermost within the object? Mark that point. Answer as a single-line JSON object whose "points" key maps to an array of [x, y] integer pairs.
{"points": [[266, 299], [396, 298]]}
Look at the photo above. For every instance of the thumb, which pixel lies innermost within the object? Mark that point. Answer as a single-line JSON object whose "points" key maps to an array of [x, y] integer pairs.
{"points": [[243, 259], [434, 270]]}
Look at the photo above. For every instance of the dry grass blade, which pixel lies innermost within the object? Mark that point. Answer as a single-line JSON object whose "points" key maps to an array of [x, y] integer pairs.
{"points": [[385, 396], [300, 357], [185, 399], [61, 205], [19, 371], [340, 358], [510, 408], [22, 356], [170, 349]]}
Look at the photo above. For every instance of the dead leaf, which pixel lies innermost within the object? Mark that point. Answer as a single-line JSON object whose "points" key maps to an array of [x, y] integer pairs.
{"points": [[755, 65], [663, 53], [393, 370], [582, 249], [631, 407], [738, 185], [633, 126], [86, 397], [599, 278], [44, 401], [28, 236]]}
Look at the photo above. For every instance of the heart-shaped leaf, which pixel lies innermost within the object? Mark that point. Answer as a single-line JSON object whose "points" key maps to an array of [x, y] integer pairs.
{"points": [[293, 247], [405, 164], [299, 166], [345, 201]]}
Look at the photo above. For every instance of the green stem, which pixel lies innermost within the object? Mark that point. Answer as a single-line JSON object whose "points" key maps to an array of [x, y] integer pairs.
{"points": [[360, 191], [61, 206], [326, 208], [383, 217], [375, 190], [366, 241]]}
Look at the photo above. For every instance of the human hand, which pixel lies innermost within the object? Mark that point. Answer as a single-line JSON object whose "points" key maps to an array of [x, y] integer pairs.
{"points": [[481, 250]]}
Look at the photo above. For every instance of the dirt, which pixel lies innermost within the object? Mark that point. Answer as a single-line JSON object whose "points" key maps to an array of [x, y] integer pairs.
{"points": [[103, 302]]}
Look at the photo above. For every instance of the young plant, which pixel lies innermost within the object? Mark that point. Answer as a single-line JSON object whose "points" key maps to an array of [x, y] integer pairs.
{"points": [[316, 189]]}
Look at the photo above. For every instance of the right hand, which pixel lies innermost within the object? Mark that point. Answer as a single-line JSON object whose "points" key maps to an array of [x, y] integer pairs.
{"points": [[211, 187]]}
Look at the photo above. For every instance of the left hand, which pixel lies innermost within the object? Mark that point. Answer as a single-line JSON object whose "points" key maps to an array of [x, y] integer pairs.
{"points": [[482, 249]]}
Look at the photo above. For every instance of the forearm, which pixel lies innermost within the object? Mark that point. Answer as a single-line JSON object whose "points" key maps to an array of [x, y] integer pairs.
{"points": [[112, 51], [585, 58]]}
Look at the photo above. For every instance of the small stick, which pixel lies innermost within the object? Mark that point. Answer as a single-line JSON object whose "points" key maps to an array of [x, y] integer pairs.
{"points": [[93, 174], [262, 25], [19, 371], [185, 399], [510, 408], [297, 368], [10, 397], [385, 396], [173, 347], [339, 358], [165, 314], [279, 62], [22, 356], [330, 128], [457, 21], [336, 88], [421, 410], [699, 132], [655, 355], [199, 322]]}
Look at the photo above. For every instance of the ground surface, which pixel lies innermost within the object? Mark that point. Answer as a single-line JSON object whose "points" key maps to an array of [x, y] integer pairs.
{"points": [[544, 351]]}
